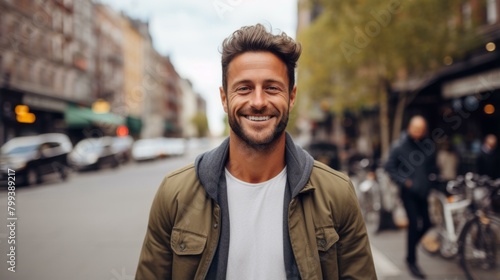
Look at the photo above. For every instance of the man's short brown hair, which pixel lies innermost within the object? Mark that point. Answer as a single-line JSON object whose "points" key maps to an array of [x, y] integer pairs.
{"points": [[257, 38]]}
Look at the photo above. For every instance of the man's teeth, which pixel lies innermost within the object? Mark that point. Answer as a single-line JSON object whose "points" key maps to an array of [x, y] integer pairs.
{"points": [[258, 118]]}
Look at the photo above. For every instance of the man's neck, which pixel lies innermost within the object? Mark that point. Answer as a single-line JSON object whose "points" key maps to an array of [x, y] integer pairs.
{"points": [[254, 165]]}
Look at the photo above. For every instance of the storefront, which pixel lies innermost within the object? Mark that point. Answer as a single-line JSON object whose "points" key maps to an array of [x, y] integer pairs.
{"points": [[463, 101], [25, 113], [82, 122]]}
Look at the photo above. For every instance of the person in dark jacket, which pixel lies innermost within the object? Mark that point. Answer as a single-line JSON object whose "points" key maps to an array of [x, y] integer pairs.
{"points": [[409, 165], [487, 161]]}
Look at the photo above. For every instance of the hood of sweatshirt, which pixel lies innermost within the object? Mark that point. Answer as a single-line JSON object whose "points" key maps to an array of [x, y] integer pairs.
{"points": [[210, 167]]}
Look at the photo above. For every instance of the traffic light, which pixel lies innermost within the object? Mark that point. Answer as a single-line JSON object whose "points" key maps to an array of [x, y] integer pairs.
{"points": [[121, 131]]}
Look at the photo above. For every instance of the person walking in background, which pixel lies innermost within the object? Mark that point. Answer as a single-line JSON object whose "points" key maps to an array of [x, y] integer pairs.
{"points": [[487, 161], [258, 206], [409, 165], [447, 161]]}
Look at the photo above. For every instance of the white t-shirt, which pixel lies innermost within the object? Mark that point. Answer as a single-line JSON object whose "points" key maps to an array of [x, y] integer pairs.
{"points": [[256, 228]]}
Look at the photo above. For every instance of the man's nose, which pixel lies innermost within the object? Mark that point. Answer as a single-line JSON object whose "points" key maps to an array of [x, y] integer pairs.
{"points": [[258, 99]]}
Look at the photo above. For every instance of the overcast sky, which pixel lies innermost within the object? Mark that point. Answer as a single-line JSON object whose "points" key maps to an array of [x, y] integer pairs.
{"points": [[191, 32]]}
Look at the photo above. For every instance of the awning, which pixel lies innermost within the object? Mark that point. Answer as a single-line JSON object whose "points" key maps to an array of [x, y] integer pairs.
{"points": [[134, 125], [78, 117]]}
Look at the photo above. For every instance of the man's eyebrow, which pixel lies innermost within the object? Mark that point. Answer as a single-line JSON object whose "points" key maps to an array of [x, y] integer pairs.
{"points": [[244, 81], [274, 81]]}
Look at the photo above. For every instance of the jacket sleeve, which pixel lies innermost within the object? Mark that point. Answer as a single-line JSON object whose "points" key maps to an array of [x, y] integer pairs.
{"points": [[355, 256], [155, 261], [392, 165]]}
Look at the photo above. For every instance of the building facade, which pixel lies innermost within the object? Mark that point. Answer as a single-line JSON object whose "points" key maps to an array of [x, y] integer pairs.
{"points": [[81, 68], [109, 59], [46, 50]]}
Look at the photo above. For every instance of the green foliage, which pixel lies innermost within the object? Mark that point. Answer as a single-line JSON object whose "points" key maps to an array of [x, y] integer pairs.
{"points": [[200, 121], [353, 46]]}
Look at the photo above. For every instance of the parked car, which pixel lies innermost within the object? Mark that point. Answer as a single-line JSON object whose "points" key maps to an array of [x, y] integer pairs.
{"points": [[325, 152], [94, 154], [32, 157], [122, 146], [174, 146], [154, 148]]}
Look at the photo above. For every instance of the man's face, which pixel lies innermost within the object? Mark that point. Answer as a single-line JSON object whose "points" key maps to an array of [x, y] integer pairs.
{"points": [[258, 100], [491, 141], [417, 129]]}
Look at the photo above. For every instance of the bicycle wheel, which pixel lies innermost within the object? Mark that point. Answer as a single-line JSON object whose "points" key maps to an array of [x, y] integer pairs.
{"points": [[480, 248]]}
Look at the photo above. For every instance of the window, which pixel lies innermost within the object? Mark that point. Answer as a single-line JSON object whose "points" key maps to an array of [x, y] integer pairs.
{"points": [[57, 47]]}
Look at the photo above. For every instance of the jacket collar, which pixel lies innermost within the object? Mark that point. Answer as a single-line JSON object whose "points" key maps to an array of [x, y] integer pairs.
{"points": [[210, 167]]}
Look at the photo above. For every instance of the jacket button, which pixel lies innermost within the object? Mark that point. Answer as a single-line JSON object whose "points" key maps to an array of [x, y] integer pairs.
{"points": [[216, 225], [182, 246], [322, 242]]}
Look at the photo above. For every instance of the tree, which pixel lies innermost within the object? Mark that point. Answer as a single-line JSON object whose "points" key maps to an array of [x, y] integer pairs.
{"points": [[356, 52], [200, 121]]}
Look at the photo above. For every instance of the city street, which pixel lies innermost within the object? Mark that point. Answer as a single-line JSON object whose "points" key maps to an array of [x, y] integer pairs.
{"points": [[92, 227]]}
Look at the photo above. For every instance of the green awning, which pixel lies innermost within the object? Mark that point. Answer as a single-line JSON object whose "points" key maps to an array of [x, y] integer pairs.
{"points": [[78, 117], [134, 125]]}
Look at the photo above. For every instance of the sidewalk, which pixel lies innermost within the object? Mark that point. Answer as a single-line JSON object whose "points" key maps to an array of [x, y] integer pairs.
{"points": [[389, 252]]}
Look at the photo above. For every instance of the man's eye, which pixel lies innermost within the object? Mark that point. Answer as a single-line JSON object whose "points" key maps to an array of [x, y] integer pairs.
{"points": [[273, 89], [243, 89]]}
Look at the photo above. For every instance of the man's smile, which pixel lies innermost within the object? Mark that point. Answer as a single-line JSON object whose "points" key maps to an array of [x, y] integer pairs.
{"points": [[258, 118]]}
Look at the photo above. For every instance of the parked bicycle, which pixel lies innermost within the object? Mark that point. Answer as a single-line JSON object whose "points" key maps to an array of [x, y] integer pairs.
{"points": [[367, 189], [448, 206], [468, 224]]}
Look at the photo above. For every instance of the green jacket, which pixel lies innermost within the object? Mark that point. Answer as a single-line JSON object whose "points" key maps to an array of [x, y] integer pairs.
{"points": [[187, 236]]}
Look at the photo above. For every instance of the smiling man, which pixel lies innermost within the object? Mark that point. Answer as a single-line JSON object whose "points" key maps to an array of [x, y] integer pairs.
{"points": [[257, 206]]}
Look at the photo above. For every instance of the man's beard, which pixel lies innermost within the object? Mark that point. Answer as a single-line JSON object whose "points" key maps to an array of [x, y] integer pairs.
{"points": [[262, 144]]}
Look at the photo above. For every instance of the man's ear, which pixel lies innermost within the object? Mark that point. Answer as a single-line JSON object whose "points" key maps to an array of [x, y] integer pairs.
{"points": [[223, 99], [293, 95]]}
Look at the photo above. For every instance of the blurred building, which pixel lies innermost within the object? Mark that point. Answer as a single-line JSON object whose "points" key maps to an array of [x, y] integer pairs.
{"points": [[109, 59], [193, 117], [190, 109], [157, 120], [135, 37], [46, 64], [173, 100], [81, 68]]}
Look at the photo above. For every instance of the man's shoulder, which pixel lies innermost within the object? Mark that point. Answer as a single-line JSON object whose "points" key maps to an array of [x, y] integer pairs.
{"points": [[332, 189], [182, 180], [322, 170], [188, 170], [329, 182]]}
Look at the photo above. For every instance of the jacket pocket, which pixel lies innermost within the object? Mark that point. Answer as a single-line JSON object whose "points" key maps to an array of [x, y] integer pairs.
{"points": [[187, 248], [327, 241], [187, 243]]}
